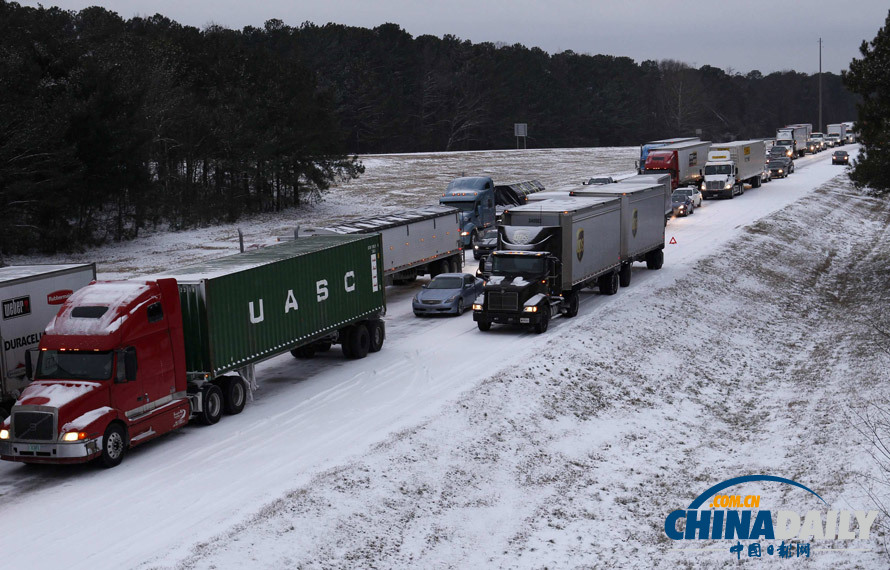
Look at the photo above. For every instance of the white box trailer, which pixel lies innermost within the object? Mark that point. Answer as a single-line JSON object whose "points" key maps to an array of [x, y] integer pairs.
{"points": [[731, 165], [663, 180], [794, 137], [584, 234], [31, 295], [839, 129], [642, 219], [415, 242]]}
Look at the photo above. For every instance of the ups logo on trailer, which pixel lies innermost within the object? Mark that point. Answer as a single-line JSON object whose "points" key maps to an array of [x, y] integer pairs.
{"points": [[579, 244]]}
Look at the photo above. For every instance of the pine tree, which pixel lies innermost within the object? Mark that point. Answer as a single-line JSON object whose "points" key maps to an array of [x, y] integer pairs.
{"points": [[870, 78]]}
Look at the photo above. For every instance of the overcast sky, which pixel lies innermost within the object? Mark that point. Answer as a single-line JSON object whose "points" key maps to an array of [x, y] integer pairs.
{"points": [[740, 35]]}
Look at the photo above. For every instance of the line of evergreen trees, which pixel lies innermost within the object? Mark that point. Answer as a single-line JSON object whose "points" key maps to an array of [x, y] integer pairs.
{"points": [[108, 125]]}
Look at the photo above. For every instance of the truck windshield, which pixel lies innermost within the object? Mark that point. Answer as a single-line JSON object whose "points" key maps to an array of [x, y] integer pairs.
{"points": [[718, 169], [464, 206], [74, 365], [525, 265]]}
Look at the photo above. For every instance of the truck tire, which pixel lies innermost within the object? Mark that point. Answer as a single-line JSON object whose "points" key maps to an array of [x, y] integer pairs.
{"points": [[655, 259], [484, 326], [234, 394], [542, 326], [377, 334], [608, 283], [456, 265], [573, 302], [211, 404], [114, 445], [359, 342], [303, 352], [624, 275]]}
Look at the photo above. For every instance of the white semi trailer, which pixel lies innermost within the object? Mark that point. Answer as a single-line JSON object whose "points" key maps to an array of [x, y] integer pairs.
{"points": [[31, 296], [731, 165]]}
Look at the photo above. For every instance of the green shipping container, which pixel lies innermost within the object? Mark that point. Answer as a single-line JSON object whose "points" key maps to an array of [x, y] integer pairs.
{"points": [[242, 309]]}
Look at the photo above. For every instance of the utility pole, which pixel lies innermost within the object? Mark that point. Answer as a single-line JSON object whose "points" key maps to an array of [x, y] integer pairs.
{"points": [[820, 86]]}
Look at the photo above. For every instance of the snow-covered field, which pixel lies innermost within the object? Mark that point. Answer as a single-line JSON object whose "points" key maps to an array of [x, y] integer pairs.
{"points": [[750, 352]]}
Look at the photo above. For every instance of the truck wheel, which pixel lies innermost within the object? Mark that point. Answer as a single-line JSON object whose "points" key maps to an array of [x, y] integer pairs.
{"points": [[303, 352], [345, 339], [359, 341], [655, 259], [624, 275], [484, 325], [377, 334], [234, 394], [545, 322], [114, 445], [211, 404], [608, 283], [456, 265], [573, 302]]}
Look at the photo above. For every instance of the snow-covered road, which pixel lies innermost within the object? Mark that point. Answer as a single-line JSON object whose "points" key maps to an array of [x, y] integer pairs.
{"points": [[189, 487]]}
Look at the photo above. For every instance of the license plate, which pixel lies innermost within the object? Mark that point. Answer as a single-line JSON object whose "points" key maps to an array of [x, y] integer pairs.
{"points": [[34, 447], [523, 321]]}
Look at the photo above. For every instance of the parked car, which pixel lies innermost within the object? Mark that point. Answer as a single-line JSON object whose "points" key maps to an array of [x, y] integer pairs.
{"points": [[447, 294], [840, 157], [486, 244], [681, 203], [692, 192], [781, 166], [600, 180]]}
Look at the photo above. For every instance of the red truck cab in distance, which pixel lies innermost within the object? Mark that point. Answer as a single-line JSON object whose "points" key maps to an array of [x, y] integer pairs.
{"points": [[110, 375]]}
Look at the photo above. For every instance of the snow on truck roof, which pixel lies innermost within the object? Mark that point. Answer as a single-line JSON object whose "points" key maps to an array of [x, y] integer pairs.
{"points": [[264, 256], [17, 272], [557, 205], [100, 294], [377, 223]]}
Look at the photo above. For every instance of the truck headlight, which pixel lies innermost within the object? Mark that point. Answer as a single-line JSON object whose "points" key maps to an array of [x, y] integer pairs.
{"points": [[728, 186], [4, 434], [74, 436], [530, 309], [477, 306], [464, 234]]}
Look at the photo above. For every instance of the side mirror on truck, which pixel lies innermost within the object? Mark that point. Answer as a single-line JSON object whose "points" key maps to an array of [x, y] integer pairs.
{"points": [[29, 364]]}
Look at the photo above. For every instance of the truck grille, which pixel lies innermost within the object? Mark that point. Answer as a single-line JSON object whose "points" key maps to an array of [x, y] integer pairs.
{"points": [[34, 426], [715, 185], [503, 301]]}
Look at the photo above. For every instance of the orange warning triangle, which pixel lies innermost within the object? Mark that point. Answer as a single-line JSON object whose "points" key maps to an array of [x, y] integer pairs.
{"points": [[673, 240]]}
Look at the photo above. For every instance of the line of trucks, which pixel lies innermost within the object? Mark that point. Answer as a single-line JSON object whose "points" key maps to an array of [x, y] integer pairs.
{"points": [[123, 362]]}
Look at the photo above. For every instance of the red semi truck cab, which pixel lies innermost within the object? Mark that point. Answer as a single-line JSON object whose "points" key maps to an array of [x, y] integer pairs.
{"points": [[110, 375], [664, 161]]}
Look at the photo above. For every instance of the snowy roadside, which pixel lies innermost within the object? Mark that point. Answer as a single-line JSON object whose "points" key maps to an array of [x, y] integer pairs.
{"points": [[750, 363]]}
